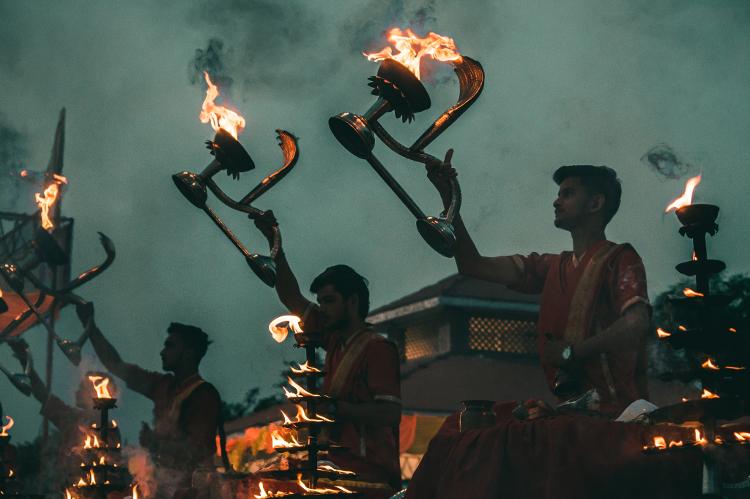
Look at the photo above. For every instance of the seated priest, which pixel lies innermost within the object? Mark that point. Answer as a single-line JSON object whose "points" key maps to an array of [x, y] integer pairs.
{"points": [[362, 371], [186, 407]]}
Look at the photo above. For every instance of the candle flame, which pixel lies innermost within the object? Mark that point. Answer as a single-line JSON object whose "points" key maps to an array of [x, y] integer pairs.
{"points": [[411, 48], [663, 333], [732, 330], [691, 293], [708, 395], [687, 196], [219, 116], [280, 326], [709, 364], [7, 426], [699, 438]]}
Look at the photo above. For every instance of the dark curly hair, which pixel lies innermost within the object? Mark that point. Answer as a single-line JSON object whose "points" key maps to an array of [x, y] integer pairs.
{"points": [[596, 180], [347, 282], [193, 337]]}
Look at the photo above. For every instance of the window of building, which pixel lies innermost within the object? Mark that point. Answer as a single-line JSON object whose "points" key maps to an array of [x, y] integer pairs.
{"points": [[495, 334]]}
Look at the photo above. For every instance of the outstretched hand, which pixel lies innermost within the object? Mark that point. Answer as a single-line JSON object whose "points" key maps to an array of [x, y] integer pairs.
{"points": [[265, 223], [19, 347], [440, 173]]}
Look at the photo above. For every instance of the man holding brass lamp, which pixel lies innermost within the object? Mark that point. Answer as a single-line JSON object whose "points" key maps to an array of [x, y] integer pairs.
{"points": [[594, 312], [361, 371]]}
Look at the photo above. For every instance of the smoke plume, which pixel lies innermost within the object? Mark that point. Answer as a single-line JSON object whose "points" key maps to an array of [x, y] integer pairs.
{"points": [[664, 162]]}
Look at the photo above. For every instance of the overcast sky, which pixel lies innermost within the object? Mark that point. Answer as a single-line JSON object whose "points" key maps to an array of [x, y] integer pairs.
{"points": [[581, 81]]}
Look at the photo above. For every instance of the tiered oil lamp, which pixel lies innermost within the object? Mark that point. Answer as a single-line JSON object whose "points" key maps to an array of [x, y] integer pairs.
{"points": [[303, 474], [718, 352], [229, 155], [9, 484], [101, 471], [399, 89]]}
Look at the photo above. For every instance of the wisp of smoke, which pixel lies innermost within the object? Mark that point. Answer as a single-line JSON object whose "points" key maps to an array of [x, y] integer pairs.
{"points": [[664, 161], [212, 60]]}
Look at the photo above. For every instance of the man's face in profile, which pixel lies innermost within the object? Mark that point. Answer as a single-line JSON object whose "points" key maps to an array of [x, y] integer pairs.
{"points": [[333, 308], [571, 204]]}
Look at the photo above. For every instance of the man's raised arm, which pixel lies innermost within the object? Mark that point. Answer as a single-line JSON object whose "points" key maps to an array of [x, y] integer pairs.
{"points": [[501, 269], [287, 287], [137, 378]]}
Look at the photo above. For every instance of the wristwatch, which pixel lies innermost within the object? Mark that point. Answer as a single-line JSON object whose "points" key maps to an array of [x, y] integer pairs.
{"points": [[567, 354]]}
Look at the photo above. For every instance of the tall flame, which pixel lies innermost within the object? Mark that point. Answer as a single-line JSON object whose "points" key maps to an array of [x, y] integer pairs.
{"points": [[134, 493], [7, 426], [101, 385], [687, 196], [412, 48], [279, 442], [299, 391], [280, 326], [700, 439], [48, 198], [219, 116]]}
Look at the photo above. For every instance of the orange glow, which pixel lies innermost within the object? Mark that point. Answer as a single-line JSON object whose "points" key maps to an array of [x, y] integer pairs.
{"points": [[682, 328], [101, 385], [305, 368], [412, 48], [279, 327], [7, 426], [219, 116], [708, 395], [262, 494], [48, 198], [279, 442], [735, 368], [694, 257], [691, 293], [302, 416], [134, 493], [91, 442], [92, 478], [742, 436], [699, 439], [299, 391], [687, 196], [68, 495], [114, 424], [663, 333], [328, 467], [709, 364], [337, 490], [677, 443], [660, 443], [732, 330]]}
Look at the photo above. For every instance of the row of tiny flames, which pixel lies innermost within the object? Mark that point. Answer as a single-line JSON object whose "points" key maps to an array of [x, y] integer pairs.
{"points": [[337, 489], [661, 443], [71, 495]]}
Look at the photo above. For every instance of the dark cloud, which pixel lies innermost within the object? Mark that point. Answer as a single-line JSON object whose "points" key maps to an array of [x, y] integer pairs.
{"points": [[210, 60], [664, 162]]}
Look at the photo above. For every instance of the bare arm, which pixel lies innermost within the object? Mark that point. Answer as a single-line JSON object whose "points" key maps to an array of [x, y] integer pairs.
{"points": [[469, 261], [287, 287], [378, 413], [38, 388], [625, 333]]}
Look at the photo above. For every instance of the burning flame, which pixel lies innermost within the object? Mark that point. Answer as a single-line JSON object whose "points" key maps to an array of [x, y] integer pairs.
{"points": [[694, 257], [691, 293], [732, 330], [81, 483], [134, 493], [7, 426], [681, 328], [302, 416], [709, 364], [700, 439], [660, 443], [328, 467], [91, 443], [279, 327], [412, 48], [68, 495], [300, 392], [92, 478], [742, 436], [735, 368], [48, 198], [687, 196], [337, 490], [663, 333], [279, 442], [114, 423], [708, 395], [305, 368], [219, 116], [101, 385]]}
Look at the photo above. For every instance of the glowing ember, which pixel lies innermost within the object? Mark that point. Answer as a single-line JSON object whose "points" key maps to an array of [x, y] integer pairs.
{"points": [[412, 48], [708, 395], [7, 426], [687, 196], [709, 364], [305, 368], [101, 385], [279, 442], [48, 198], [742, 436], [280, 326], [690, 293], [339, 489], [663, 333], [219, 116], [300, 392]]}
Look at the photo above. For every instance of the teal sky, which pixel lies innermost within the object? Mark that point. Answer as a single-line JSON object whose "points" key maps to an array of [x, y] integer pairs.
{"points": [[581, 81]]}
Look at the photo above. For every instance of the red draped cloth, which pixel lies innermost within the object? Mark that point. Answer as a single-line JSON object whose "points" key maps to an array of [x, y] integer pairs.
{"points": [[561, 457]]}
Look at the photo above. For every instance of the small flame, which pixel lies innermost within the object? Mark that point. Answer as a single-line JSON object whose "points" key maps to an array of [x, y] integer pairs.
{"points": [[328, 467], [68, 495], [11, 473], [699, 438], [101, 460], [279, 442], [48, 198], [219, 116], [687, 196], [300, 392], [134, 493], [663, 333], [81, 482], [735, 368], [412, 48], [279, 327], [682, 328], [91, 442], [708, 395], [305, 368], [660, 443], [302, 416], [709, 364], [92, 478], [694, 257], [262, 494], [114, 423], [732, 330], [691, 293], [742, 436], [676, 443], [337, 490], [101, 385], [7, 426]]}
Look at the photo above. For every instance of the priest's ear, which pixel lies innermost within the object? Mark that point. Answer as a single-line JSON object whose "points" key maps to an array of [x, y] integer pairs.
{"points": [[597, 202]]}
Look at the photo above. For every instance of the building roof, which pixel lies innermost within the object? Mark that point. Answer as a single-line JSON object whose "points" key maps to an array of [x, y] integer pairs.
{"points": [[458, 291]]}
